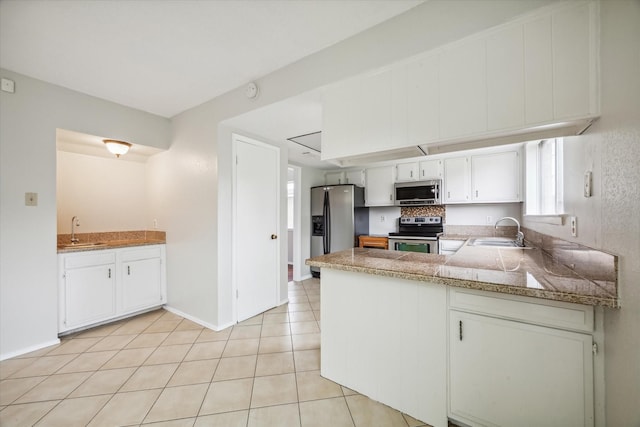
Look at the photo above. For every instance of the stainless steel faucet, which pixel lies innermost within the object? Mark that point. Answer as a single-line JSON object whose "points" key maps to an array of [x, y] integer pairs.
{"points": [[519, 236], [75, 222]]}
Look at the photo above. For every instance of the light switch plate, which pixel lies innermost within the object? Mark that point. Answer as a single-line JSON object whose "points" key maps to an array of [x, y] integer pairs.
{"points": [[8, 85], [587, 183], [31, 199]]}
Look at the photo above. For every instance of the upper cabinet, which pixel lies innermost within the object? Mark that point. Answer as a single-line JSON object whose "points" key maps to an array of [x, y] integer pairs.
{"points": [[463, 91], [538, 70], [378, 190]]}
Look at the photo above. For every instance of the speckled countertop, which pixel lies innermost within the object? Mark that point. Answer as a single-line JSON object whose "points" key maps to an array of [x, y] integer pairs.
{"points": [[528, 272], [110, 240]]}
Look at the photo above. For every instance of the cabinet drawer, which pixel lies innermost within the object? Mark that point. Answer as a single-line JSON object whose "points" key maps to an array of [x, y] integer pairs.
{"points": [[91, 259], [554, 314], [450, 245], [143, 252]]}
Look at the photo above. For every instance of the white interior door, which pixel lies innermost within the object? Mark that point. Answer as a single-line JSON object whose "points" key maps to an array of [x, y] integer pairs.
{"points": [[256, 226]]}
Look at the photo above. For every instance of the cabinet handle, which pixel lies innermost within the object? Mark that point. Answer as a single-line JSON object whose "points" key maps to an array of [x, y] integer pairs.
{"points": [[390, 197], [448, 194], [411, 174], [460, 329], [476, 193], [109, 274], [128, 270]]}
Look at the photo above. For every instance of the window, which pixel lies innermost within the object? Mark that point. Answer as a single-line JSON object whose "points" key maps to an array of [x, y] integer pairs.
{"points": [[544, 177]]}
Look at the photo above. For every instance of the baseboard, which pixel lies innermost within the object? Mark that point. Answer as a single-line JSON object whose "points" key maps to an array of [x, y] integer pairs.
{"points": [[305, 277], [196, 320], [29, 349]]}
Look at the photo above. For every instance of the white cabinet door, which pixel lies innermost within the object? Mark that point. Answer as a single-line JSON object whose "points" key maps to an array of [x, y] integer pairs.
{"points": [[407, 172], [378, 190], [334, 178], [463, 89], [341, 119], [571, 61], [423, 114], [456, 180], [505, 80], [375, 106], [355, 177], [538, 71], [496, 177], [505, 373], [431, 169], [141, 284], [89, 295]]}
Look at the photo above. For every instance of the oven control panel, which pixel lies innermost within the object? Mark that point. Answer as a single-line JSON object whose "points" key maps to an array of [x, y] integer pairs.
{"points": [[421, 220]]}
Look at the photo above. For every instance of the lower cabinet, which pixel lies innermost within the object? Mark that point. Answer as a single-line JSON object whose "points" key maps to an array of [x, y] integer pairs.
{"points": [[89, 290], [97, 286], [511, 373], [141, 279]]}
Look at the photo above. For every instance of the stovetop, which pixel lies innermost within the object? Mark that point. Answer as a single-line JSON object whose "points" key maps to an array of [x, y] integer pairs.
{"points": [[419, 226]]}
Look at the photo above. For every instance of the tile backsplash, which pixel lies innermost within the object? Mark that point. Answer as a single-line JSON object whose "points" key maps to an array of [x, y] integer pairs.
{"points": [[423, 211]]}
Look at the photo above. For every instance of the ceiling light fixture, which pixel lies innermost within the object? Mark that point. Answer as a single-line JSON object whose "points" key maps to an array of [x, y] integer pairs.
{"points": [[117, 147]]}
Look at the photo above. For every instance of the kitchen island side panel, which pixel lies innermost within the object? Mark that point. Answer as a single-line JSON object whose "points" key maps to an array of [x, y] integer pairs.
{"points": [[386, 338]]}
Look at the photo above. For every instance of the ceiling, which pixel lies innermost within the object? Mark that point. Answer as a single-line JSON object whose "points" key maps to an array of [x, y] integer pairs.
{"points": [[165, 57]]}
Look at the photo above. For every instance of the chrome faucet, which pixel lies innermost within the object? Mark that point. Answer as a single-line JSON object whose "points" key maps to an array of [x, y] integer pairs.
{"points": [[519, 236], [75, 222]]}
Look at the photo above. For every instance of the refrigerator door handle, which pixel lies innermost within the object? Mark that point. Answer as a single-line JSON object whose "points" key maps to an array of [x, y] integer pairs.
{"points": [[327, 219], [325, 231]]}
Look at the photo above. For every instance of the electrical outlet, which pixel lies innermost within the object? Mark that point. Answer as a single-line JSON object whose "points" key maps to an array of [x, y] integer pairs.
{"points": [[382, 218], [31, 199], [573, 221], [155, 223], [489, 219]]}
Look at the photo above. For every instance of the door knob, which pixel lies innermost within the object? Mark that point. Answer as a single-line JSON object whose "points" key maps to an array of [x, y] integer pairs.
{"points": [[274, 236]]}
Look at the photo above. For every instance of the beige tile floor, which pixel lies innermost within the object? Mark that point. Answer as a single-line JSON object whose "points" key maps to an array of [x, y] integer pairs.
{"points": [[159, 368]]}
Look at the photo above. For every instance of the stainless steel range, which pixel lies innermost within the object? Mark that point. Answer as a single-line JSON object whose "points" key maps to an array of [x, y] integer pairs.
{"points": [[417, 234]]}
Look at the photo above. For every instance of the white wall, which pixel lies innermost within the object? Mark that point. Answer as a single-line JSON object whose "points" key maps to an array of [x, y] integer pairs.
{"points": [[390, 223], [477, 214], [609, 220], [106, 194], [28, 260]]}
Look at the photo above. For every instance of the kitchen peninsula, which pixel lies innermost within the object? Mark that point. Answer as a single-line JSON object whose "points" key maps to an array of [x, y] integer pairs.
{"points": [[484, 336]]}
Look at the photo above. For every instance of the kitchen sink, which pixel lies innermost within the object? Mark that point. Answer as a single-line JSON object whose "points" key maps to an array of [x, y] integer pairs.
{"points": [[496, 242], [81, 245]]}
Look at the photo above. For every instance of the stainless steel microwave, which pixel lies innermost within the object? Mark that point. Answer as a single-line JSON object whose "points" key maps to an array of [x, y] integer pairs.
{"points": [[418, 193]]}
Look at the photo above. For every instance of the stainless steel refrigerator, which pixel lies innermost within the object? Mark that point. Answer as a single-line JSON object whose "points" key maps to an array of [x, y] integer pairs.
{"points": [[338, 217]]}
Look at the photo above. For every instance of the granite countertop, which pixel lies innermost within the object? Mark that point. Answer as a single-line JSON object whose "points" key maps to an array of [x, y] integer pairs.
{"points": [[110, 240], [112, 244], [591, 279]]}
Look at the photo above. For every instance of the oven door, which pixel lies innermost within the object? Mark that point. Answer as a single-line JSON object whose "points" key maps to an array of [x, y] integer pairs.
{"points": [[413, 244]]}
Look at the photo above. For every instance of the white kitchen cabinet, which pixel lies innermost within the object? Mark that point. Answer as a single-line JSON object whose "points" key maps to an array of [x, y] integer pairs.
{"points": [[431, 169], [88, 289], [341, 120], [457, 179], [507, 373], [449, 246], [141, 278], [407, 172], [378, 190], [505, 79], [334, 178], [423, 110], [538, 70], [375, 114], [463, 89], [393, 348], [573, 61], [495, 177], [355, 177], [102, 285], [492, 177]]}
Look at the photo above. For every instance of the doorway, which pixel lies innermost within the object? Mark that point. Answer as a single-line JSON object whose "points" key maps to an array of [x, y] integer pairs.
{"points": [[256, 230]]}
